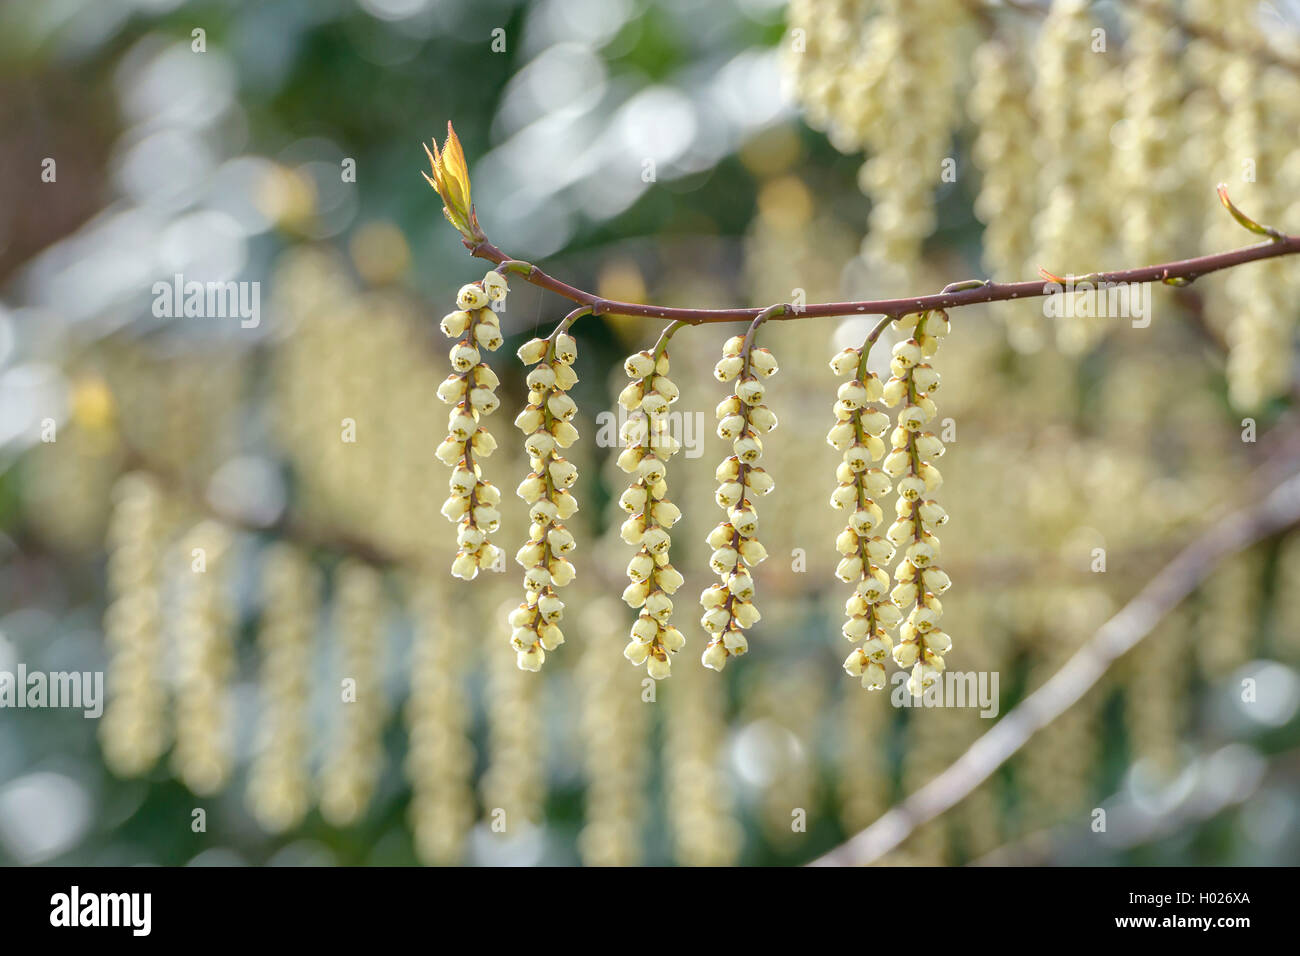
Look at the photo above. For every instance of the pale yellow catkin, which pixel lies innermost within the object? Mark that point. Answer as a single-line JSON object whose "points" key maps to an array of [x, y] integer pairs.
{"points": [[1156, 693], [134, 730], [355, 755], [648, 445], [440, 752], [513, 788], [1005, 128], [1153, 219], [279, 780], [615, 721], [547, 421], [203, 754], [471, 389], [700, 800], [919, 580], [742, 419], [1075, 101]]}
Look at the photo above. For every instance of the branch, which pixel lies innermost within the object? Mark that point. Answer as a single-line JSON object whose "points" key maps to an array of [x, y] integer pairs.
{"points": [[955, 295], [1272, 511]]}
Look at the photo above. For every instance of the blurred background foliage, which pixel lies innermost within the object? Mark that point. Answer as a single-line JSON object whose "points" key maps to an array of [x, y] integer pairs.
{"points": [[229, 164]]}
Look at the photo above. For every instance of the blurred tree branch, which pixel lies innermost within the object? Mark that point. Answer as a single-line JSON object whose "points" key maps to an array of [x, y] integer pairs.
{"points": [[1273, 509]]}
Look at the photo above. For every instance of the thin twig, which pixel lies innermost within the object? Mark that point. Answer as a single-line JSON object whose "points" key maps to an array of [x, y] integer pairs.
{"points": [[972, 292]]}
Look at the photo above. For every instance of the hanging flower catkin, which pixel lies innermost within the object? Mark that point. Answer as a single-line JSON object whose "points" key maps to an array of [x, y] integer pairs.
{"points": [[471, 388], [203, 755], [279, 780], [547, 421], [856, 434], [918, 579], [648, 444], [134, 729], [728, 607]]}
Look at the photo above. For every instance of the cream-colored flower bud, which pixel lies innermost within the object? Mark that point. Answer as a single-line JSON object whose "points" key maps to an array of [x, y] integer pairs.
{"points": [[880, 550], [670, 579], [654, 404], [895, 391], [907, 353], [529, 420], [715, 619], [849, 569], [566, 348], [748, 449], [729, 406], [730, 427], [658, 667], [735, 642], [925, 378], [452, 389], [455, 323], [666, 513], [530, 659], [865, 519], [759, 481], [936, 580], [450, 451], [846, 362], [656, 541], [494, 284], [721, 536], [715, 595], [905, 654], [728, 494], [561, 406], [903, 594], [471, 297], [750, 391], [841, 436], [844, 496], [763, 418], [752, 550], [563, 473], [484, 401], [566, 506], [532, 351], [659, 606], [897, 463], [464, 357], [485, 336], [714, 656], [651, 469], [483, 443], [762, 362], [723, 560], [911, 488], [911, 418], [465, 566], [938, 642], [672, 639], [728, 368], [531, 488], [847, 542]]}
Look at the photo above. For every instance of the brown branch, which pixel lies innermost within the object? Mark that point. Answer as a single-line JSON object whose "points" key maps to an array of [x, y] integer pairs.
{"points": [[1179, 273], [1271, 512]]}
